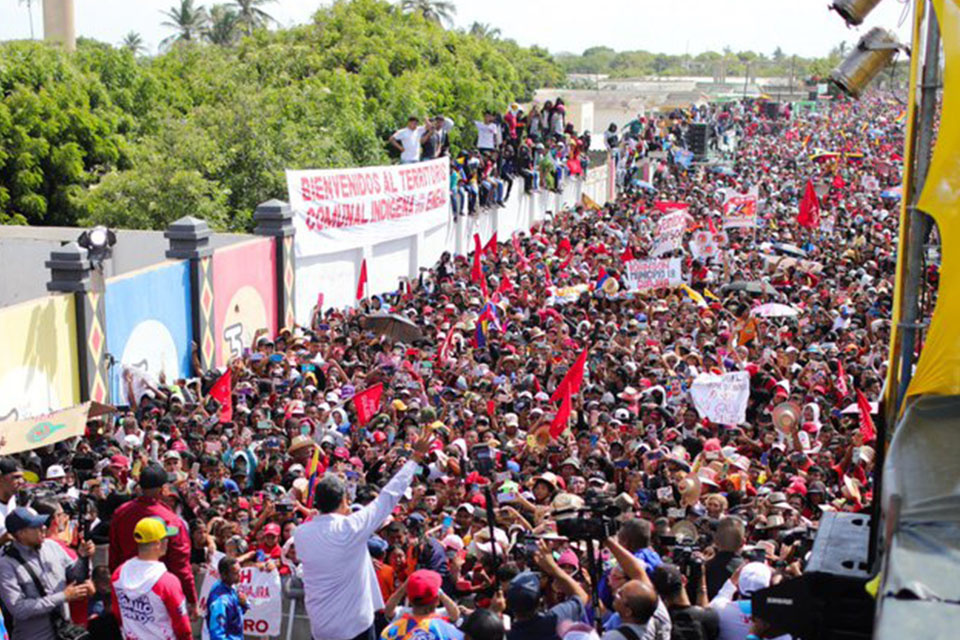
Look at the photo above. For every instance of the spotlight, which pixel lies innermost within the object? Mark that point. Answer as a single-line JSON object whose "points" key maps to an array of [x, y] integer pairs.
{"points": [[873, 53], [854, 11], [98, 242]]}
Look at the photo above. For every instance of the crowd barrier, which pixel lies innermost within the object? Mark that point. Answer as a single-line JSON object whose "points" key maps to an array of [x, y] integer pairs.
{"points": [[335, 275]]}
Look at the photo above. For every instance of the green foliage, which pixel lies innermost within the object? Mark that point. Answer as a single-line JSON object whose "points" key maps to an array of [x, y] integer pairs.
{"points": [[99, 136]]}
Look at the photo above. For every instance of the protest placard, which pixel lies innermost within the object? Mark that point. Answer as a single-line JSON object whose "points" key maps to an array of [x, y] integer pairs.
{"points": [[669, 233], [653, 274], [262, 589], [740, 210], [722, 398]]}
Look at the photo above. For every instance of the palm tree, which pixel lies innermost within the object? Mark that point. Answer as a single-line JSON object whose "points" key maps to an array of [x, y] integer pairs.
{"points": [[29, 4], [223, 25], [484, 30], [251, 16], [187, 19], [133, 43], [439, 11]]}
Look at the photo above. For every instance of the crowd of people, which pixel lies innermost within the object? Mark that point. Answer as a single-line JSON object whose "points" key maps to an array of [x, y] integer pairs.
{"points": [[539, 148], [452, 504]]}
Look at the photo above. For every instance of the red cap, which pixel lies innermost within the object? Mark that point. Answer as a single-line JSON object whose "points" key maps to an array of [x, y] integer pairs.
{"points": [[120, 461], [479, 500], [379, 436], [342, 453], [423, 587], [713, 444], [272, 529]]}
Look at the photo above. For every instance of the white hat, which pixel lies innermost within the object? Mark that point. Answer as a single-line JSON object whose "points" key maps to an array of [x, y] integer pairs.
{"points": [[753, 577], [55, 472], [170, 455]]}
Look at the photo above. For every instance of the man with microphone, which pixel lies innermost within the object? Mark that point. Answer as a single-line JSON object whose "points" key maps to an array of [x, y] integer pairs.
{"points": [[339, 580]]}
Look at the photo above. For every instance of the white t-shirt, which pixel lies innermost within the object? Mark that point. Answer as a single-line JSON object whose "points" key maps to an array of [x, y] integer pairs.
{"points": [[486, 134], [410, 139]]}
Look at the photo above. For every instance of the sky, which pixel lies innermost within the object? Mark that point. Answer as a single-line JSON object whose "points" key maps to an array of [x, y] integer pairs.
{"points": [[803, 27]]}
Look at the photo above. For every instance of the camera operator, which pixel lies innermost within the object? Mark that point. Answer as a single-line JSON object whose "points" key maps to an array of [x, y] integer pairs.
{"points": [[729, 540], [524, 595], [688, 621]]}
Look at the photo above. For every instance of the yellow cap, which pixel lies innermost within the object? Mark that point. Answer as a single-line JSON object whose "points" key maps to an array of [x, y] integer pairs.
{"points": [[153, 529]]}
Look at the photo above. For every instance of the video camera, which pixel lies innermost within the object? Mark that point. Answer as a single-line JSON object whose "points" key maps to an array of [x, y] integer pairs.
{"points": [[596, 520]]}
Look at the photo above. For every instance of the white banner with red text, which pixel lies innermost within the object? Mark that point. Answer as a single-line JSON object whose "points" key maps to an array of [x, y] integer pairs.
{"points": [[653, 274], [329, 255]]}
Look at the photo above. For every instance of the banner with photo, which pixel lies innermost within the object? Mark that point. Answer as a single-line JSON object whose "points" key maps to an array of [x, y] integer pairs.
{"points": [[740, 210], [653, 274], [262, 589]]}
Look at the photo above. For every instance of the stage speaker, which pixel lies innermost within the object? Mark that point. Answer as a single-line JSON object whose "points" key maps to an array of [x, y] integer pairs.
{"points": [[828, 602], [697, 136]]}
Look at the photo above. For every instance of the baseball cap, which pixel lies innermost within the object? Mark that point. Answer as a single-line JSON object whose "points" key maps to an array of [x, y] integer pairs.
{"points": [[523, 592], [55, 472], [153, 529], [423, 587], [24, 518], [154, 476], [753, 577], [272, 529]]}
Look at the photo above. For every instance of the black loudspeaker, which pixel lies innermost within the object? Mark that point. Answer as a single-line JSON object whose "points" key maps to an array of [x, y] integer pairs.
{"points": [[828, 602], [697, 134]]}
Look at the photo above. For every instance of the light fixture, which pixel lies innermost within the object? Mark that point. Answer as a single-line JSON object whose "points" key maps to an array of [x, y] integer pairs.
{"points": [[854, 11], [98, 242], [873, 54]]}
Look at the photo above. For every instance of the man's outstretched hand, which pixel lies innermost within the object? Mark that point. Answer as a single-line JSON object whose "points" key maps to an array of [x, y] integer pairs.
{"points": [[422, 446]]}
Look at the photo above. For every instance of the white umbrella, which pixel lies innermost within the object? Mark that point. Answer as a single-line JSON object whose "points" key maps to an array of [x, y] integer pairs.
{"points": [[775, 310]]}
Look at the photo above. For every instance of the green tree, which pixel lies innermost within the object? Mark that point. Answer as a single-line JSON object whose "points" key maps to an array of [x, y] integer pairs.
{"points": [[778, 55], [133, 43], [223, 25], [188, 20], [439, 11], [252, 16], [484, 30]]}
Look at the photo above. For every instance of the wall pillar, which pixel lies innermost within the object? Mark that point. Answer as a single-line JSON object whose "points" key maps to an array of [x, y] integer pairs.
{"points": [[274, 219], [189, 239], [71, 271]]}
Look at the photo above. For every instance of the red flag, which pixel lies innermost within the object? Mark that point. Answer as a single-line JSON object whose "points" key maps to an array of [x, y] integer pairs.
{"points": [[221, 392], [842, 389], [362, 282], [506, 286], [627, 255], [809, 216], [367, 403], [867, 430], [491, 246], [560, 421], [476, 274], [570, 384]]}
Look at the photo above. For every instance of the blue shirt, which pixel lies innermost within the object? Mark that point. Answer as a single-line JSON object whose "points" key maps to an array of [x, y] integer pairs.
{"points": [[224, 613], [430, 628], [648, 556], [544, 625]]}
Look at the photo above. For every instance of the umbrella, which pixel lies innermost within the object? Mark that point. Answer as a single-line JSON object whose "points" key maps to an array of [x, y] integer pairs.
{"points": [[775, 310], [893, 194], [789, 249], [644, 185], [750, 286], [397, 328]]}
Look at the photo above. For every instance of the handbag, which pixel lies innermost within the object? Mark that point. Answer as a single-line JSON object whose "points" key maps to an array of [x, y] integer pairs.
{"points": [[63, 629]]}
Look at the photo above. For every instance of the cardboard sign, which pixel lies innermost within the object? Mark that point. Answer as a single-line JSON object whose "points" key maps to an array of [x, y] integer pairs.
{"points": [[722, 398], [669, 233], [653, 274], [740, 210], [33, 433]]}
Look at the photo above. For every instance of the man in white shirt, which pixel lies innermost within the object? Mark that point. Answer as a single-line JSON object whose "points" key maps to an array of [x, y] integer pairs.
{"points": [[488, 133], [341, 585], [732, 603], [408, 140]]}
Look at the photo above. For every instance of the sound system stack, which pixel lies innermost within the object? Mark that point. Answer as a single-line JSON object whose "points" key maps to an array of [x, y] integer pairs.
{"points": [[697, 137], [828, 602]]}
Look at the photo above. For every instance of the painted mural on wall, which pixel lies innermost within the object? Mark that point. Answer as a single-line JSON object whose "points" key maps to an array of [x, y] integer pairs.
{"points": [[245, 295]]}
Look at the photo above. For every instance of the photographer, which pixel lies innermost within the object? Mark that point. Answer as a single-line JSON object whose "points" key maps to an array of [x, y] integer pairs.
{"points": [[688, 621], [524, 595], [729, 541]]}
